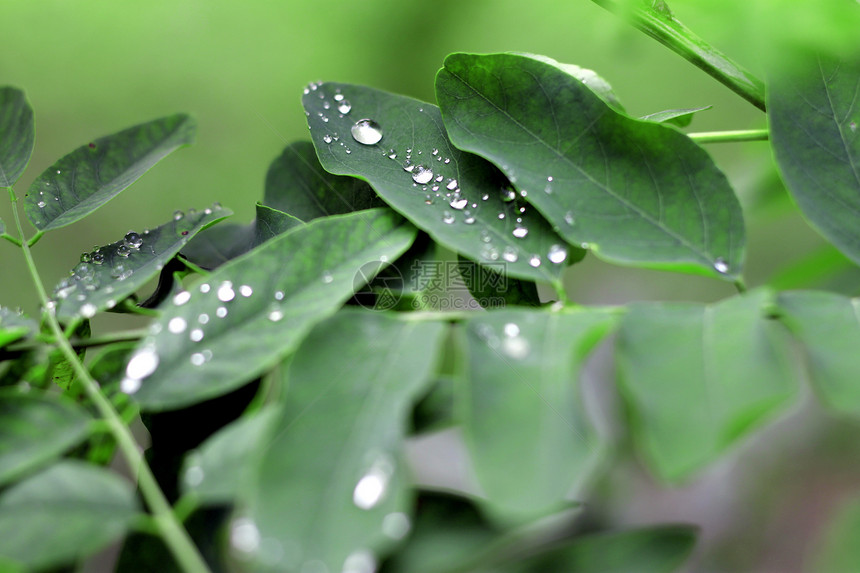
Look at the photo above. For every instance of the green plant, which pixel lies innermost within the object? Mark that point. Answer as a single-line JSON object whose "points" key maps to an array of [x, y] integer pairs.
{"points": [[288, 360]]}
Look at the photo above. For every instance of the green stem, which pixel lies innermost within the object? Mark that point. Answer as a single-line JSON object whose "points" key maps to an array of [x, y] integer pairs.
{"points": [[659, 23], [35, 238], [173, 534], [740, 285], [729, 136], [11, 239]]}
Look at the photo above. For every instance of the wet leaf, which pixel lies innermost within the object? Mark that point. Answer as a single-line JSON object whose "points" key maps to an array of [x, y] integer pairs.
{"points": [[813, 112], [700, 377], [271, 222], [636, 193], [254, 310], [828, 326], [113, 272], [34, 429], [679, 117], [523, 419], [16, 136], [95, 173], [14, 326], [66, 512], [334, 457], [297, 184], [436, 186]]}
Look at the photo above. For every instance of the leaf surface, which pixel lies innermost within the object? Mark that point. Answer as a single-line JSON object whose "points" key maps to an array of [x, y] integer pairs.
{"points": [[459, 199], [634, 192], [95, 173], [813, 113], [699, 377], [334, 458], [111, 273], [679, 117], [14, 326], [64, 513], [16, 136], [254, 310]]}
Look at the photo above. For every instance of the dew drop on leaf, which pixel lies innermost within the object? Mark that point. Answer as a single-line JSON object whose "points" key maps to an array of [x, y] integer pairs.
{"points": [[422, 175], [196, 335], [276, 315], [327, 277], [568, 218], [510, 254], [221, 311], [88, 310], [178, 215], [327, 138], [181, 297], [452, 184], [396, 525], [557, 254], [246, 290], [344, 106], [123, 251], [720, 265], [133, 240], [226, 292], [366, 132], [244, 535], [361, 561], [534, 261], [373, 485], [177, 325], [447, 217], [458, 202], [519, 231]]}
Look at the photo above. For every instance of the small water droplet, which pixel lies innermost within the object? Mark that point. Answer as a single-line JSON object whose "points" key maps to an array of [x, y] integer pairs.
{"points": [[501, 216], [203, 318], [568, 218], [508, 194], [142, 364], [276, 315], [361, 561], [205, 288], [422, 174], [194, 475], [373, 485], [510, 254], [327, 277], [458, 202], [338, 97], [197, 359], [347, 150], [181, 297], [468, 218], [98, 258], [396, 525], [221, 311], [88, 310], [447, 217], [452, 184], [853, 126], [246, 291], [327, 138], [279, 295], [344, 106], [178, 215], [196, 335], [516, 347], [534, 260], [177, 325], [244, 535], [226, 292], [557, 254], [123, 251], [366, 132], [720, 265], [41, 204], [133, 240], [519, 231]]}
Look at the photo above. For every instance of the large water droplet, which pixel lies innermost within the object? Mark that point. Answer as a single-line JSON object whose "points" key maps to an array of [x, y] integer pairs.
{"points": [[720, 265], [133, 240], [226, 292], [344, 106], [458, 202], [452, 184], [142, 364], [557, 254], [373, 485], [422, 175], [366, 132]]}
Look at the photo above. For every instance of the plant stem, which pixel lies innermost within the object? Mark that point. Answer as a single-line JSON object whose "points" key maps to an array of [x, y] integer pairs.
{"points": [[740, 285], [660, 24], [729, 136], [11, 239], [172, 532]]}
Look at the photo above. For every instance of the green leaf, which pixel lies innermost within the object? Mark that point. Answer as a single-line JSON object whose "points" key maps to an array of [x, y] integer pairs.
{"points": [[840, 549], [34, 429], [416, 181], [254, 310], [297, 184], [699, 377], [67, 512], [334, 456], [652, 550], [813, 113], [113, 272], [62, 372], [634, 192], [217, 471], [14, 326], [16, 136], [271, 222], [491, 288], [95, 173], [523, 419], [679, 117], [828, 326]]}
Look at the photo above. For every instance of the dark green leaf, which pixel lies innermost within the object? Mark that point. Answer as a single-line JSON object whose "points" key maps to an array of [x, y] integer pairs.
{"points": [[297, 184], [699, 377], [68, 511], [62, 372], [16, 136], [457, 198], [271, 222], [35, 428], [588, 78], [492, 288], [217, 471], [522, 413], [111, 273], [828, 326], [634, 192], [253, 311], [679, 117], [334, 456], [95, 173], [813, 113], [14, 326], [840, 550]]}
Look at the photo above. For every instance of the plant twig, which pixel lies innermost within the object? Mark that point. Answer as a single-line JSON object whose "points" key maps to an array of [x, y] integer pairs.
{"points": [[729, 136]]}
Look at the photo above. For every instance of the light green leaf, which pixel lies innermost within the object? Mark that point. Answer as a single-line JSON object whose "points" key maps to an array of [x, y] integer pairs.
{"points": [[254, 310], [67, 512], [221, 467], [111, 273], [35, 428], [456, 197], [813, 112], [14, 326], [679, 117], [16, 136], [523, 420], [334, 457], [297, 184], [699, 377], [95, 173], [828, 326], [840, 549], [634, 192]]}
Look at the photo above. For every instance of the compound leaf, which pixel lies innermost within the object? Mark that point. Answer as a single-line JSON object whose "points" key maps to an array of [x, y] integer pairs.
{"points": [[95, 173], [634, 192], [111, 273], [64, 513], [16, 136], [813, 112], [254, 310], [459, 199], [698, 377], [334, 457]]}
